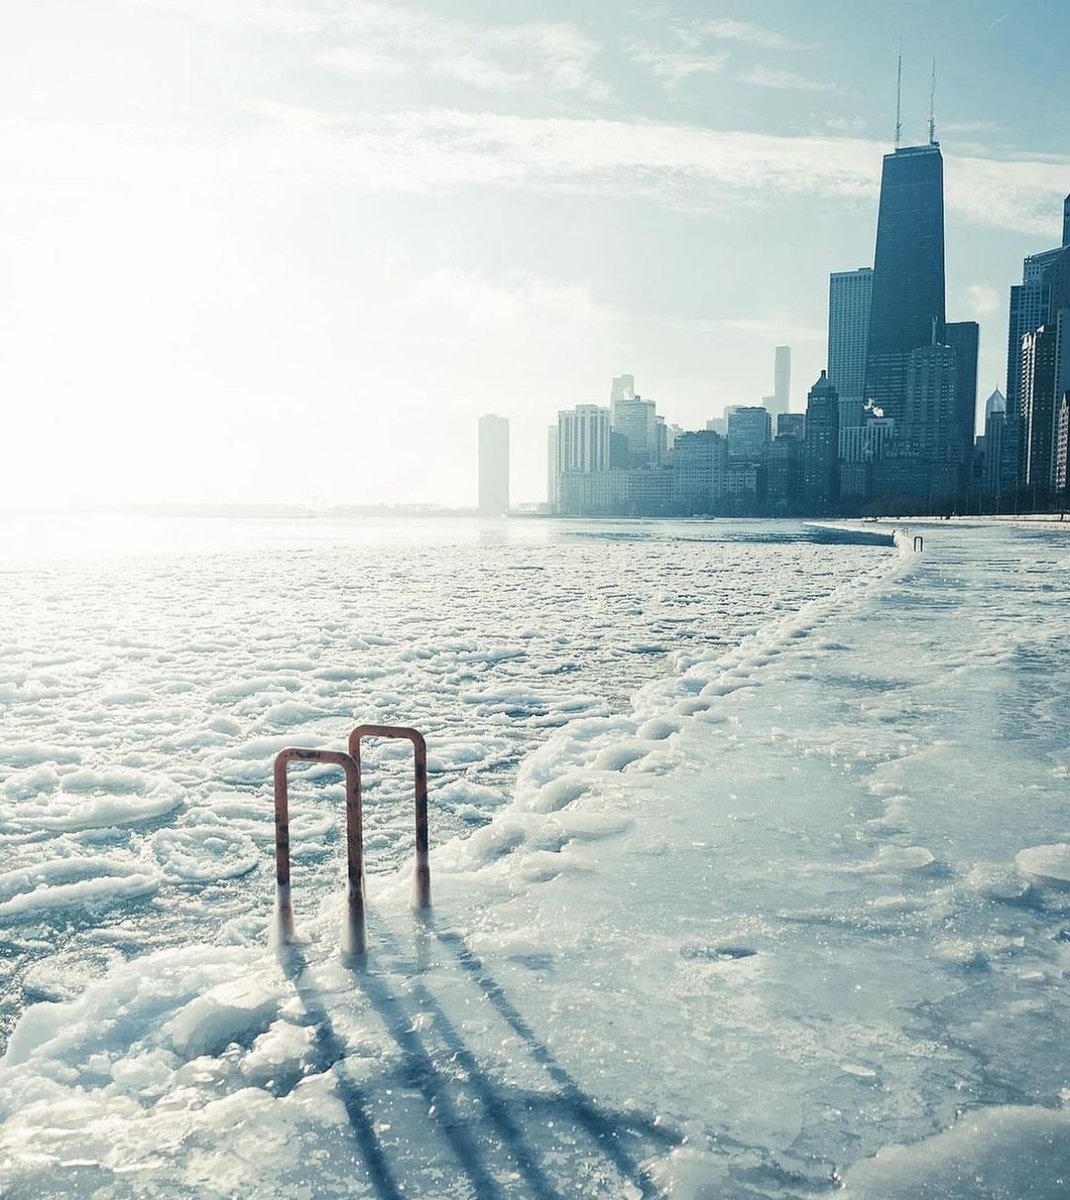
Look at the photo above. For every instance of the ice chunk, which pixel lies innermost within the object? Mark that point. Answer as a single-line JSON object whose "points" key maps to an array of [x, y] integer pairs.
{"points": [[1049, 863], [1007, 1153], [65, 882], [232, 1012]]}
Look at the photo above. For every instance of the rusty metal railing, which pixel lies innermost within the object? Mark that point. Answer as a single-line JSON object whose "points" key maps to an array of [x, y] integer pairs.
{"points": [[354, 933], [421, 875], [355, 939]]}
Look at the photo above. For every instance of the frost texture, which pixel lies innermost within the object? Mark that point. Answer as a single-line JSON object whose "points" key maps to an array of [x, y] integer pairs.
{"points": [[792, 922]]}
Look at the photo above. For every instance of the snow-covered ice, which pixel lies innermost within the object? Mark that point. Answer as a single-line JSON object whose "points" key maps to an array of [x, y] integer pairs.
{"points": [[791, 921]]}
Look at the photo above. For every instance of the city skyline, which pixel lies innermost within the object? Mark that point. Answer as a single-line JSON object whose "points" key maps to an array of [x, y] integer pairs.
{"points": [[386, 224]]}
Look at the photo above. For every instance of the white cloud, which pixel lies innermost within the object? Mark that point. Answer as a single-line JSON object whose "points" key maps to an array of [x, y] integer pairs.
{"points": [[674, 67], [776, 327], [518, 301], [785, 80], [753, 35], [369, 37], [983, 300], [677, 165]]}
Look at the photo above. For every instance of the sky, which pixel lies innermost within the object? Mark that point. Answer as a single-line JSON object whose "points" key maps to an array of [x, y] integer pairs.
{"points": [[260, 251]]}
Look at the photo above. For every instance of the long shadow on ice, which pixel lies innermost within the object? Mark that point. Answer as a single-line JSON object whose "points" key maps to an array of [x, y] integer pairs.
{"points": [[603, 1128], [478, 1118], [330, 1049]]}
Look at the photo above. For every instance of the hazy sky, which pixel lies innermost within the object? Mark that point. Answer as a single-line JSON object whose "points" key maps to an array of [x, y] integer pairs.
{"points": [[284, 249]]}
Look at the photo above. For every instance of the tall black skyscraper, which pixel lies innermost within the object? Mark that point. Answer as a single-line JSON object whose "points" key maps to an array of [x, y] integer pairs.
{"points": [[907, 307]]}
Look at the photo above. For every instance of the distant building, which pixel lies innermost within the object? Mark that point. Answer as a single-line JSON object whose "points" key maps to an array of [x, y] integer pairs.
{"points": [[700, 464], [1038, 413], [929, 430], [963, 337], [1036, 301], [748, 431], [821, 475], [784, 473], [791, 425], [594, 493], [650, 492], [743, 486], [779, 401], [553, 471], [1062, 450], [622, 388], [992, 445], [583, 438], [493, 466], [850, 293], [636, 420], [782, 378], [718, 425], [578, 445], [867, 442]]}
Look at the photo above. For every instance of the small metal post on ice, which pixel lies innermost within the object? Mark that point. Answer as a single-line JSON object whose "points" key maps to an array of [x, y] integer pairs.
{"points": [[354, 934], [421, 893], [919, 543]]}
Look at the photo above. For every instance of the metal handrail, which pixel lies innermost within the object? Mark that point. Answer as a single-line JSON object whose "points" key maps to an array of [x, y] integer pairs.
{"points": [[919, 543], [421, 893], [354, 933]]}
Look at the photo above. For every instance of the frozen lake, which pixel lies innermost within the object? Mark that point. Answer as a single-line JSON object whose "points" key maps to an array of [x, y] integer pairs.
{"points": [[150, 669], [766, 896]]}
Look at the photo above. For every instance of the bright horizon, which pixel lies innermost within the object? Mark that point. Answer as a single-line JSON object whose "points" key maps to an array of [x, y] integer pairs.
{"points": [[237, 236]]}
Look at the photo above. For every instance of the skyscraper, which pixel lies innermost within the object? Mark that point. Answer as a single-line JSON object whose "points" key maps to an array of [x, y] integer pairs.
{"points": [[1038, 409], [779, 401], [553, 471], [850, 293], [907, 306], [583, 439], [821, 474], [493, 466], [1040, 299], [995, 428], [636, 421], [964, 338], [749, 428]]}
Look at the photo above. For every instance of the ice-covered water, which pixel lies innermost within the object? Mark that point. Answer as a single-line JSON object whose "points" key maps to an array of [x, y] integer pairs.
{"points": [[151, 669], [791, 922]]}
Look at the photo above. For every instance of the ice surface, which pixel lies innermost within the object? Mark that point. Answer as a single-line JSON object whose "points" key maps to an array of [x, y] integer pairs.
{"points": [[791, 923]]}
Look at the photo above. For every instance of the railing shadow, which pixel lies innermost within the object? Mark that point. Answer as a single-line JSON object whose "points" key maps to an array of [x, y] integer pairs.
{"points": [[418, 1071], [330, 1049], [602, 1126]]}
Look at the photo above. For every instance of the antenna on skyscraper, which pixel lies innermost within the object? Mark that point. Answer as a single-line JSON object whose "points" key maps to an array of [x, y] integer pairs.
{"points": [[899, 99], [932, 108]]}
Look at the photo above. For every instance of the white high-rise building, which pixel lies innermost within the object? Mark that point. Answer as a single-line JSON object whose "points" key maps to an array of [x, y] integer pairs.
{"points": [[850, 293], [493, 466], [583, 438], [622, 388], [553, 472], [781, 380]]}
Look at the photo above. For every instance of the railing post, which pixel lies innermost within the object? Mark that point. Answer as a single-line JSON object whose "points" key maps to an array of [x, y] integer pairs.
{"points": [[919, 543], [354, 935], [421, 880]]}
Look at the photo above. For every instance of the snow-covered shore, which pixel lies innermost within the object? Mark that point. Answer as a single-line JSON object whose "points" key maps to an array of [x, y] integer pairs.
{"points": [[795, 925]]}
